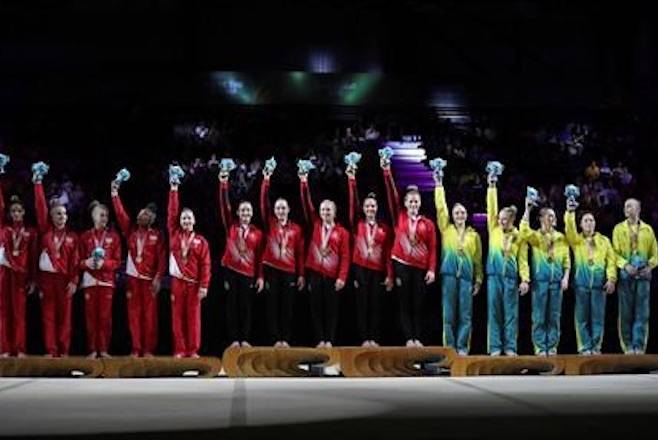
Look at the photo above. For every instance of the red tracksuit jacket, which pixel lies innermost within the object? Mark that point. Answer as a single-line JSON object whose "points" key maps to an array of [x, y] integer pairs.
{"points": [[152, 262], [109, 240], [284, 248], [334, 260], [372, 242], [244, 244], [196, 268], [421, 252], [59, 248]]}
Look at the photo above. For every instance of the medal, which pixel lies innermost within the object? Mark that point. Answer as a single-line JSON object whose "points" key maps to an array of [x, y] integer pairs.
{"points": [[634, 232], [57, 242], [185, 246], [242, 240], [461, 238], [326, 234], [17, 238], [413, 225], [507, 244], [140, 239], [589, 241], [371, 232], [548, 238], [283, 235]]}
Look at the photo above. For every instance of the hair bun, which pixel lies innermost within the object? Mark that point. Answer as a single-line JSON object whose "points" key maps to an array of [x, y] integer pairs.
{"points": [[513, 208], [412, 188], [94, 204], [371, 195], [152, 207], [15, 199]]}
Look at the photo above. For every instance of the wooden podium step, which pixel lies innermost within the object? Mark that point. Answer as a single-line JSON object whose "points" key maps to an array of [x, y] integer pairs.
{"points": [[50, 367], [276, 362], [161, 366], [392, 361], [611, 364], [504, 365]]}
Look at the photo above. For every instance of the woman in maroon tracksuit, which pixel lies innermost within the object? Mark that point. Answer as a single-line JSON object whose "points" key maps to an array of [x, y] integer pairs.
{"points": [[371, 261], [283, 263], [17, 275], [241, 262], [145, 266], [413, 255], [189, 267], [327, 261]]}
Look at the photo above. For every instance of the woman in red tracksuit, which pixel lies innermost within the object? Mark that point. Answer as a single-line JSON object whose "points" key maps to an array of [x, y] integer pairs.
{"points": [[413, 255], [283, 263], [98, 279], [371, 258], [241, 262], [145, 266], [58, 272], [327, 261], [17, 275], [189, 267]]}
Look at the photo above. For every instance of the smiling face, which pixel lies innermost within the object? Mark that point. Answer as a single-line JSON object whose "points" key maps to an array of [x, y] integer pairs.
{"points": [[370, 208], [245, 212], [16, 212], [59, 216], [506, 219], [187, 220], [632, 209], [281, 210], [99, 215], [412, 202], [145, 218], [588, 224], [459, 214], [547, 218], [328, 211]]}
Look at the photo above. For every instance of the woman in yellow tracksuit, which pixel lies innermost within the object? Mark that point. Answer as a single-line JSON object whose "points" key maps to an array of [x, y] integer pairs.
{"points": [[595, 276], [634, 243], [461, 271], [507, 261], [551, 264]]}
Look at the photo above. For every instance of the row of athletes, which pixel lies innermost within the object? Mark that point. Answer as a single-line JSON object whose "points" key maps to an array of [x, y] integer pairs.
{"points": [[282, 260]]}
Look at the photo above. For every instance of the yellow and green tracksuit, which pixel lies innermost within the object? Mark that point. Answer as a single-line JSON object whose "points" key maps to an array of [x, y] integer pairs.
{"points": [[548, 268], [595, 264], [506, 261], [633, 291], [461, 266]]}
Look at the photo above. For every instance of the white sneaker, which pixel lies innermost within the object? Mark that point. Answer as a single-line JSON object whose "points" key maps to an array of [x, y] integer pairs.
{"points": [[596, 352], [586, 353], [495, 353], [411, 343], [418, 343], [92, 355], [365, 344], [321, 344], [235, 344], [245, 344], [511, 353], [552, 352], [327, 344], [277, 344], [462, 353], [542, 353], [630, 351], [284, 344], [639, 351], [374, 344]]}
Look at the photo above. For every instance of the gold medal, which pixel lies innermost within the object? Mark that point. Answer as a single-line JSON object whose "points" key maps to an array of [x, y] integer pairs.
{"points": [[138, 259], [16, 252]]}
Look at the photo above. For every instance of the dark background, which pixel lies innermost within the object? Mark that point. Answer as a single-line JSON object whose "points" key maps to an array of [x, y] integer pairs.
{"points": [[94, 86]]}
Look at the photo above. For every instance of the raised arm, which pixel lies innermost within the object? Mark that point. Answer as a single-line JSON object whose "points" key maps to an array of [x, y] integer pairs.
{"points": [[570, 230], [41, 207], [225, 204], [2, 207], [123, 218], [307, 202], [492, 207], [528, 234], [173, 210], [265, 202], [442, 216], [353, 195], [392, 195]]}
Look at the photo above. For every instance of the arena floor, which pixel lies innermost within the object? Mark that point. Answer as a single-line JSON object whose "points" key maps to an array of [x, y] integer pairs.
{"points": [[440, 407]]}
